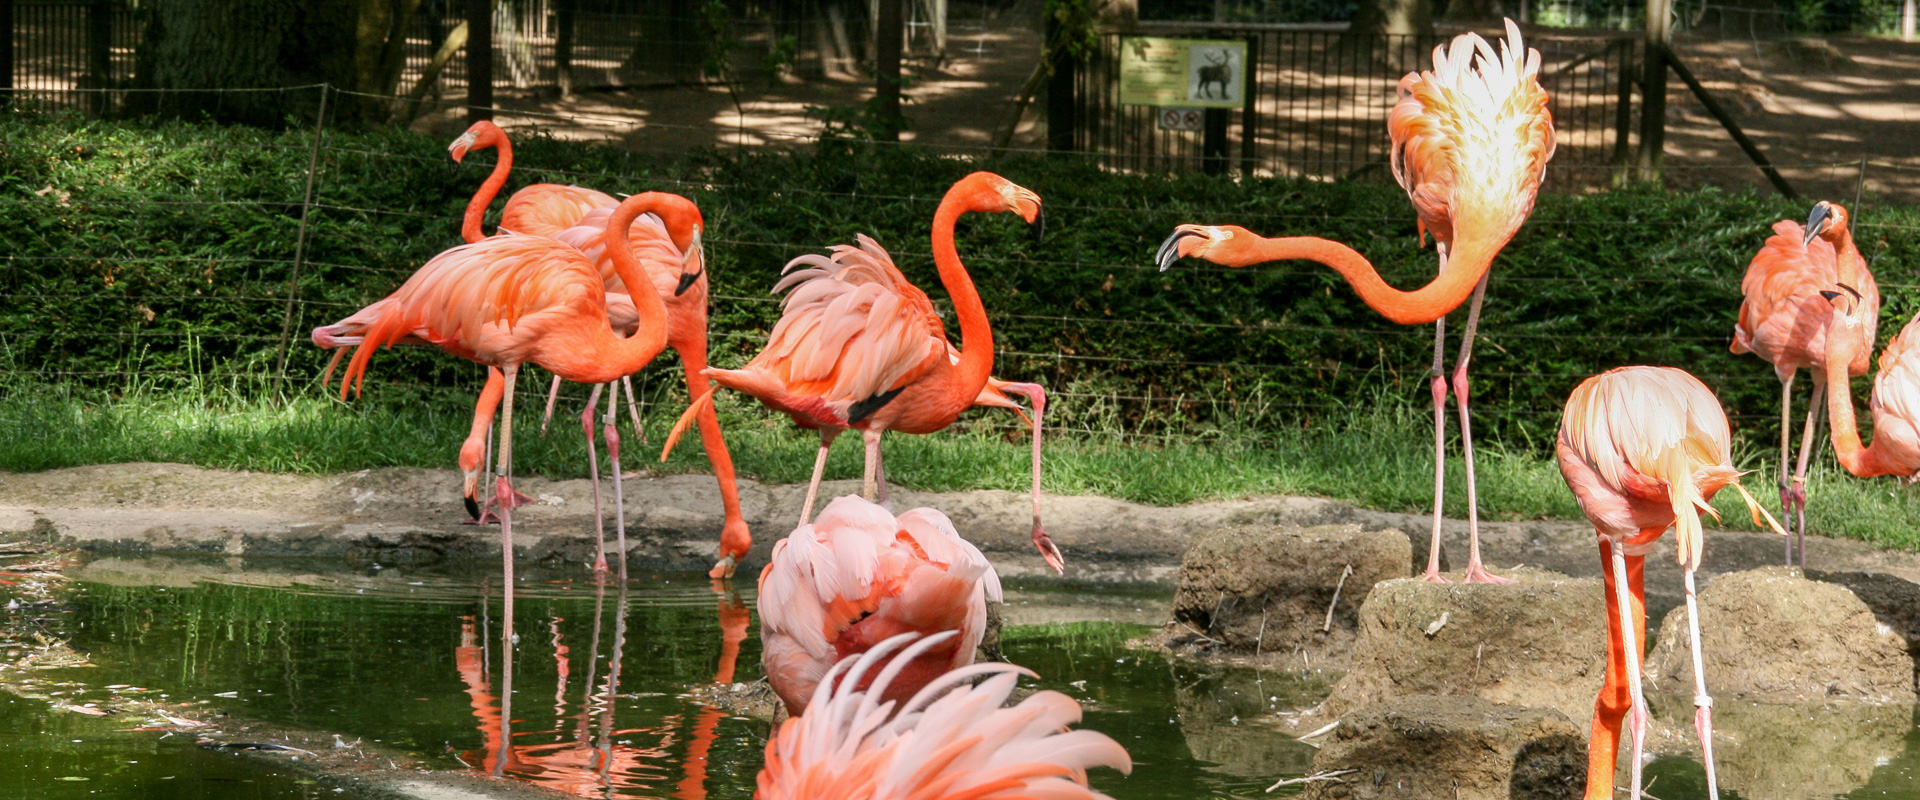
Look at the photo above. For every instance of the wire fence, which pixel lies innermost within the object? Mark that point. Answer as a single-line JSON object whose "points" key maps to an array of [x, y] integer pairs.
{"points": [[275, 306]]}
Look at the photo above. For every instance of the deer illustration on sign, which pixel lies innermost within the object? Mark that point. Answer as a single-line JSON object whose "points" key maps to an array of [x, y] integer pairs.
{"points": [[1213, 77]]}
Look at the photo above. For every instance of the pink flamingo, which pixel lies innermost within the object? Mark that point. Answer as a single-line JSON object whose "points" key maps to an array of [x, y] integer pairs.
{"points": [[1644, 449], [1783, 319], [1895, 402], [948, 741], [858, 576], [857, 346], [1471, 140]]}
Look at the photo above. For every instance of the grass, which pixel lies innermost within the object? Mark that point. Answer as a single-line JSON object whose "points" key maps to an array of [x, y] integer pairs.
{"points": [[1373, 456]]}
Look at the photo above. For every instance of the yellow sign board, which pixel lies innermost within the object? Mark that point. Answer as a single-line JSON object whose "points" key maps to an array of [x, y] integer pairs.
{"points": [[1203, 73]]}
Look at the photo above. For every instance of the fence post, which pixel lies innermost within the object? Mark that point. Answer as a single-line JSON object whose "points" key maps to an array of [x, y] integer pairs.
{"points": [[300, 242], [1061, 123], [1653, 89], [889, 28], [480, 59], [563, 46], [6, 52], [1623, 115], [100, 55], [1249, 121]]}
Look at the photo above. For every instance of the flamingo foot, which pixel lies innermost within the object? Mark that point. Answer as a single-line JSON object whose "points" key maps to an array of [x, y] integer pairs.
{"points": [[1048, 550], [1479, 574], [1434, 576], [479, 516], [722, 569]]}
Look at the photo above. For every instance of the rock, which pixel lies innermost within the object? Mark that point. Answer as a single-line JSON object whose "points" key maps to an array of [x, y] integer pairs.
{"points": [[1774, 751], [1453, 747], [1770, 635], [1538, 643], [1267, 589]]}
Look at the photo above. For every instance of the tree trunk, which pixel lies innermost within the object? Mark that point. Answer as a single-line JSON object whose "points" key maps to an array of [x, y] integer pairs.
{"points": [[887, 33], [380, 50], [1395, 17]]}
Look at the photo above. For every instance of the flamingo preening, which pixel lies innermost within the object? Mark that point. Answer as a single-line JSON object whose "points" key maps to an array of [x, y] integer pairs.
{"points": [[1895, 401], [1644, 449], [577, 216], [1783, 319], [948, 741], [857, 346], [515, 299], [858, 576], [1471, 140]]}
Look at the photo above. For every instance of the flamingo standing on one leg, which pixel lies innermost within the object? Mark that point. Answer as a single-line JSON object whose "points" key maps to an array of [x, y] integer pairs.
{"points": [[1644, 449], [516, 299], [1895, 402], [1783, 319], [949, 741], [577, 216], [858, 576], [1471, 140], [857, 346]]}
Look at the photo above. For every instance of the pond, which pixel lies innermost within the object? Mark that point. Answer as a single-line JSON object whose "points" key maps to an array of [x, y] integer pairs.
{"points": [[595, 699]]}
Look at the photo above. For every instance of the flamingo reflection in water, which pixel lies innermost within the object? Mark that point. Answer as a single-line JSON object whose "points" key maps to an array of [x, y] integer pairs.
{"points": [[596, 759]]}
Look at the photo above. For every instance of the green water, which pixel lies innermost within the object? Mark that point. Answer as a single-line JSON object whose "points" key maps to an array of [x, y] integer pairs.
{"points": [[412, 662]]}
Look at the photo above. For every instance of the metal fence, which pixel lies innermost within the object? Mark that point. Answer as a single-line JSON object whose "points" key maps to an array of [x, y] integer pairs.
{"points": [[66, 54], [1317, 102]]}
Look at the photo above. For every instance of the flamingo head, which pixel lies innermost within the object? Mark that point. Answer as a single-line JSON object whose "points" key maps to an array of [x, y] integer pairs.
{"points": [[479, 136], [1199, 241], [693, 264], [1827, 217], [989, 193], [1846, 330]]}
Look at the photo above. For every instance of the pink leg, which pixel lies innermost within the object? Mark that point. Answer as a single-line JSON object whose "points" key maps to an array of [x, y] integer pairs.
{"points": [[553, 394], [593, 469], [1786, 454], [1808, 440], [1476, 573], [1038, 397], [869, 486], [827, 436], [504, 484], [612, 434], [1439, 385]]}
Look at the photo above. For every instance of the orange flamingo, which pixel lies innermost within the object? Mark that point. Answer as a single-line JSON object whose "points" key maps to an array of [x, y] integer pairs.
{"points": [[1895, 402], [857, 346], [1644, 449], [514, 299], [859, 576], [577, 216], [1471, 140], [949, 741], [1783, 319]]}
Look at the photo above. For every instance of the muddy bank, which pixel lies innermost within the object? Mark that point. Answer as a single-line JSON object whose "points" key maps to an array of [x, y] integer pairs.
{"points": [[395, 516]]}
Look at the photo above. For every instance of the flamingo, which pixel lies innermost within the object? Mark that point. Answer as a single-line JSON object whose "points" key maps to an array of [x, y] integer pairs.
{"points": [[1896, 394], [949, 741], [1784, 320], [514, 299], [1471, 140], [856, 577], [577, 216], [857, 346], [1644, 449]]}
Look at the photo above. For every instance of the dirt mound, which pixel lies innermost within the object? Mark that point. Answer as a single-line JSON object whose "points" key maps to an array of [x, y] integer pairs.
{"points": [[1282, 589], [1782, 751], [1454, 747], [1538, 643], [1770, 635], [1895, 601]]}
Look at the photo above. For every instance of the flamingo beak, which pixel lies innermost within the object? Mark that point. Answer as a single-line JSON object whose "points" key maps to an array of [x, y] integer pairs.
{"points": [[1817, 222], [1039, 225], [1170, 249], [1830, 295], [473, 507], [692, 265]]}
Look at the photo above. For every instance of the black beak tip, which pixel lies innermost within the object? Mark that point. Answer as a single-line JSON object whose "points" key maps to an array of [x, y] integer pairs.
{"points": [[1829, 294], [1039, 226], [687, 280], [1816, 222], [473, 508], [1169, 251]]}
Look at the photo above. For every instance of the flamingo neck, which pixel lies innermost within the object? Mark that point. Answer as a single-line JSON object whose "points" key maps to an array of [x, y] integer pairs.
{"points": [[1460, 271], [976, 335], [1843, 428], [637, 350], [489, 189]]}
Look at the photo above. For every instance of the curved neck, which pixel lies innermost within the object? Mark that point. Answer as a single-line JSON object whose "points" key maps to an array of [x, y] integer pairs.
{"points": [[1843, 428], [651, 337], [483, 197], [1460, 270], [976, 336]]}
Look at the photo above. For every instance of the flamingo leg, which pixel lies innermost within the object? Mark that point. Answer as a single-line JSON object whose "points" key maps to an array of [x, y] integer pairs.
{"points": [[869, 487], [1786, 453], [1631, 607], [476, 453], [880, 477], [1438, 381], [1476, 573], [633, 409], [505, 490], [1702, 702], [1807, 443], [553, 394], [827, 435], [1037, 396], [735, 538], [611, 433], [593, 470]]}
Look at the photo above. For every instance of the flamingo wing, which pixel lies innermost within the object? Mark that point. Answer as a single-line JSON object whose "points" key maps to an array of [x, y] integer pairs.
{"points": [[1896, 398], [1472, 136], [651, 245], [545, 209]]}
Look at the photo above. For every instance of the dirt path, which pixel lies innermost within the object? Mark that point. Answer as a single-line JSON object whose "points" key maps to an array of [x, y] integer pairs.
{"points": [[411, 515]]}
